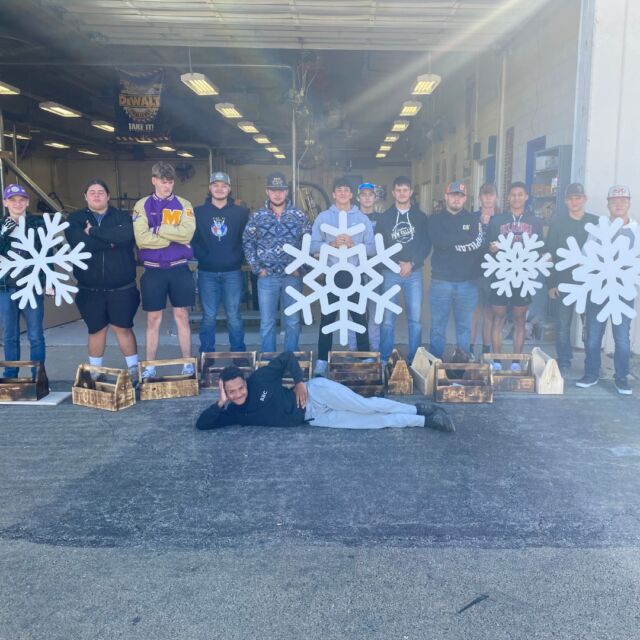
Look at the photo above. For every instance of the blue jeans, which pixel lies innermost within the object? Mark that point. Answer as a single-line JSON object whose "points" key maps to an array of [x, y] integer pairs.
{"points": [[271, 291], [564, 320], [10, 316], [463, 296], [412, 292], [225, 287], [593, 344]]}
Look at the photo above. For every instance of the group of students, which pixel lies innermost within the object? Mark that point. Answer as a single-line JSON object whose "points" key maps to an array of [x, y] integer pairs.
{"points": [[164, 233]]}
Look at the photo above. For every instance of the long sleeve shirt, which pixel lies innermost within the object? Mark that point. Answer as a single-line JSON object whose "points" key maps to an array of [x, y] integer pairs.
{"points": [[266, 234], [332, 217], [268, 403]]}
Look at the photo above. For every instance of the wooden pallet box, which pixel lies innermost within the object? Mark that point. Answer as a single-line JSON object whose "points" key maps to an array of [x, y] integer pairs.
{"points": [[24, 387], [213, 362], [305, 360], [165, 386], [463, 382], [512, 381], [361, 371], [549, 380], [423, 372], [399, 380], [112, 391]]}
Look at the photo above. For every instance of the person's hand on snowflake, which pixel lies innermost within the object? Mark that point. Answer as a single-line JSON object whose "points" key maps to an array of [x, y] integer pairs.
{"points": [[493, 247], [8, 225], [405, 268], [343, 240], [50, 292], [554, 293]]}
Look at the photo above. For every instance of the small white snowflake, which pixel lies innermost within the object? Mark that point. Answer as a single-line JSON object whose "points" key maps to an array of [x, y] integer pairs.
{"points": [[517, 265], [606, 270], [320, 269], [39, 262]]}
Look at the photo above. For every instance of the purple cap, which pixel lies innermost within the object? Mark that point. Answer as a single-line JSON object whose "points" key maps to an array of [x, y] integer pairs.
{"points": [[14, 190]]}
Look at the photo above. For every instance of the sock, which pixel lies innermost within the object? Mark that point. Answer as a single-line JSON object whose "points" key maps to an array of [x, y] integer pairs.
{"points": [[486, 348], [132, 361], [95, 362]]}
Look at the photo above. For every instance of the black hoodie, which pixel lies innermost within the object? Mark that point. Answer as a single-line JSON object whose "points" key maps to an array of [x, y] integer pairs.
{"points": [[112, 264], [410, 230], [217, 242]]}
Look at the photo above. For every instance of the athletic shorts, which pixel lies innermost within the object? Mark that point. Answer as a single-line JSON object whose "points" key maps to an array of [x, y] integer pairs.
{"points": [[102, 308], [516, 300], [484, 291], [176, 283]]}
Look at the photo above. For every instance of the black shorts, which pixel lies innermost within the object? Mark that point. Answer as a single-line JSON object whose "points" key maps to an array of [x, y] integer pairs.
{"points": [[516, 300], [102, 308], [177, 283], [484, 292]]}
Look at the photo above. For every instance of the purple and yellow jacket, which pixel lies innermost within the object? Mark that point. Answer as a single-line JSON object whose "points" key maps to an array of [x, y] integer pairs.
{"points": [[163, 230]]}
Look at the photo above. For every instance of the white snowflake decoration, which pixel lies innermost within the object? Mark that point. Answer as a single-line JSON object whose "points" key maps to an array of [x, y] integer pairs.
{"points": [[320, 267], [39, 262], [517, 265], [606, 270]]}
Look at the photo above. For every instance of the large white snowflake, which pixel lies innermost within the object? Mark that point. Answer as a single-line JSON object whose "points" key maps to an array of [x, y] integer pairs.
{"points": [[39, 262], [606, 270], [517, 265], [322, 270]]}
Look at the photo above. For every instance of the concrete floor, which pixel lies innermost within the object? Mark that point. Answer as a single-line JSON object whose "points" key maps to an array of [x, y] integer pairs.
{"points": [[134, 525]]}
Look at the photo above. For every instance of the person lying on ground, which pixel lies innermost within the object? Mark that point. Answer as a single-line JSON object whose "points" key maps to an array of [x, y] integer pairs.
{"points": [[262, 400]]}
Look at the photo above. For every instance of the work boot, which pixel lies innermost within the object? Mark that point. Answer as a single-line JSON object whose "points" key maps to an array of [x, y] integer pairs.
{"points": [[425, 408], [440, 420]]}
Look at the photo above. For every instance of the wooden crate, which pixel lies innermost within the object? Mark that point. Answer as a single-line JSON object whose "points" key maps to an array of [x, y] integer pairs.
{"points": [[305, 360], [168, 386], [351, 369], [423, 372], [506, 380], [24, 387], [113, 391], [474, 384], [399, 380], [213, 362], [549, 380]]}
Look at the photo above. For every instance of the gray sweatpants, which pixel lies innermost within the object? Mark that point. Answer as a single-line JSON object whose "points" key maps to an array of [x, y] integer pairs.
{"points": [[331, 404]]}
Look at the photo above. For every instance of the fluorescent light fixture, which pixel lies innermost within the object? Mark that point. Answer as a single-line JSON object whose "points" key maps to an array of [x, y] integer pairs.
{"points": [[164, 147], [56, 145], [199, 84], [143, 141], [392, 137], [400, 125], [102, 125], [248, 127], [381, 155], [272, 149], [425, 84], [19, 136], [385, 147], [60, 110], [228, 110], [8, 90], [185, 154], [262, 139], [88, 152], [280, 156], [410, 108]]}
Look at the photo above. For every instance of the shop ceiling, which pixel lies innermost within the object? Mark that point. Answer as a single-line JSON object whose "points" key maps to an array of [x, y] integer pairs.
{"points": [[355, 59]]}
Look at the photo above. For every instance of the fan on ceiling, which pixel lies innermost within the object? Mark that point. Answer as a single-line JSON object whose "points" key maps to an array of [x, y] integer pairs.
{"points": [[185, 171]]}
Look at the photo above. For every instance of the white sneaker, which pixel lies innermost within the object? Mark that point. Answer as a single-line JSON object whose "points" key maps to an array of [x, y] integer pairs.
{"points": [[188, 369], [148, 373], [321, 368]]}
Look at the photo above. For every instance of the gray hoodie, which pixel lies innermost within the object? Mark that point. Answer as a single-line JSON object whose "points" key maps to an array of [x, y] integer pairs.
{"points": [[332, 217]]}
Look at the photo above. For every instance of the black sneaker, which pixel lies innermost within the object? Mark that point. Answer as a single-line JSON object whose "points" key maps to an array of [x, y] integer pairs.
{"points": [[425, 408], [440, 420], [587, 381], [622, 386]]}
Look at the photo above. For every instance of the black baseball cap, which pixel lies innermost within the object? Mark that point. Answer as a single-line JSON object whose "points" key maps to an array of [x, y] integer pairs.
{"points": [[575, 189], [277, 181]]}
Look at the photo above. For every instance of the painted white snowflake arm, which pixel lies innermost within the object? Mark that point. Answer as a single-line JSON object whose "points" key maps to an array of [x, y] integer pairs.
{"points": [[606, 270], [42, 262]]}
